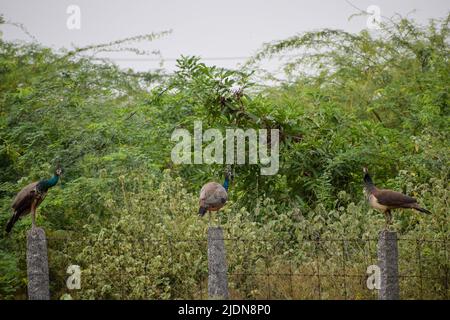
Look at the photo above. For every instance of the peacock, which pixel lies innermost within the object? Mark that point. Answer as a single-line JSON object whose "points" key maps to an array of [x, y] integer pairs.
{"points": [[213, 195], [387, 200], [30, 197]]}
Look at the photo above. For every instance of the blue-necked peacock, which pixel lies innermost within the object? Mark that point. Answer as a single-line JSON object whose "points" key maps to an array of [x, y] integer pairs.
{"points": [[213, 195], [30, 197]]}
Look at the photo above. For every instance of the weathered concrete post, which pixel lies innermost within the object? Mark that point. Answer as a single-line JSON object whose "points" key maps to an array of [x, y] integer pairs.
{"points": [[37, 265], [388, 263], [217, 265]]}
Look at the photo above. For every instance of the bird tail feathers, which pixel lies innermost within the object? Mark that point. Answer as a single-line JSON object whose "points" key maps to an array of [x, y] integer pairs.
{"points": [[416, 207], [11, 222]]}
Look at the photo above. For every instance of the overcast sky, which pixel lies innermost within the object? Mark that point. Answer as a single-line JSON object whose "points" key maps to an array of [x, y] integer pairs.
{"points": [[221, 31]]}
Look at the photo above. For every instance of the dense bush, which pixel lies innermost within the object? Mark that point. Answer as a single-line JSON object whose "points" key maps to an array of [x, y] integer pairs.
{"points": [[155, 247]]}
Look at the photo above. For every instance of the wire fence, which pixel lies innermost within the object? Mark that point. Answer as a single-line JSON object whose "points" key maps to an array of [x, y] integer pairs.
{"points": [[174, 268]]}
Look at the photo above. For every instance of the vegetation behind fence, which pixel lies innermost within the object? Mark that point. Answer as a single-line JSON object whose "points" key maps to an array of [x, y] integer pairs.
{"points": [[333, 268]]}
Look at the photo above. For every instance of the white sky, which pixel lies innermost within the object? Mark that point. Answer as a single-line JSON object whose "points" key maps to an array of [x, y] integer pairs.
{"points": [[208, 28]]}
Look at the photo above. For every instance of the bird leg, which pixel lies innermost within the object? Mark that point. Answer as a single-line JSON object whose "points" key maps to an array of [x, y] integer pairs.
{"points": [[209, 218], [388, 217], [33, 214], [218, 221], [385, 220]]}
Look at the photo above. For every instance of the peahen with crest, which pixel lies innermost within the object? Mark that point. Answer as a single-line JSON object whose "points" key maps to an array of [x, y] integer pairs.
{"points": [[213, 195], [386, 200], [30, 197]]}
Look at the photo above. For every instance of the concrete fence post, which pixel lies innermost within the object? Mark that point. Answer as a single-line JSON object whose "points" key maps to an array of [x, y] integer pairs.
{"points": [[37, 265], [217, 265], [388, 263]]}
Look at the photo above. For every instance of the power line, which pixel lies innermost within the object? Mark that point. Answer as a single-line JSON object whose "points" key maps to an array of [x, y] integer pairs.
{"points": [[203, 59], [175, 59]]}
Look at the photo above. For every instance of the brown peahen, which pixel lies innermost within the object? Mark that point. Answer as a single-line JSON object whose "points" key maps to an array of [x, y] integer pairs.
{"points": [[30, 197], [213, 195], [386, 200]]}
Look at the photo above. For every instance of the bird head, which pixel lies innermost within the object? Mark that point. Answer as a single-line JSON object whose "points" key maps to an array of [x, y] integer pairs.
{"points": [[229, 173], [59, 171], [367, 178]]}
